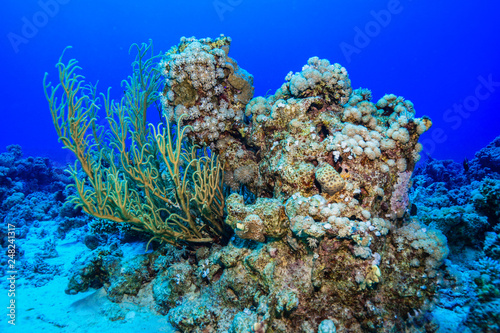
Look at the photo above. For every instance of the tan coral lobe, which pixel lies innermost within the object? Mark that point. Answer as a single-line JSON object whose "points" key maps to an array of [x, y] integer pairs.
{"points": [[330, 180]]}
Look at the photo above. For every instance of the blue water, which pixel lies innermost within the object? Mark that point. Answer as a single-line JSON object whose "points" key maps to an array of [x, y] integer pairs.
{"points": [[443, 56]]}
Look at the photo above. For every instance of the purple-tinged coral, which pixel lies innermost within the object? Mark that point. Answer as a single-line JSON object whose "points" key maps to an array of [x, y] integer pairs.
{"points": [[399, 198]]}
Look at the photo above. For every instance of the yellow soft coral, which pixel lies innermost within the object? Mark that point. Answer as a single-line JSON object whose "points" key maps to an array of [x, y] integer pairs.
{"points": [[137, 173]]}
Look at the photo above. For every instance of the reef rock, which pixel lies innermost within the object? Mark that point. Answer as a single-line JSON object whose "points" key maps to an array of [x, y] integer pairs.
{"points": [[328, 243]]}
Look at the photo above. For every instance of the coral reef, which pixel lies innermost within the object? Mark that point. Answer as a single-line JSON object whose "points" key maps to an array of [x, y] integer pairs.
{"points": [[20, 177], [325, 225], [324, 243], [200, 288], [487, 161], [32, 194], [335, 169], [33, 198], [462, 202]]}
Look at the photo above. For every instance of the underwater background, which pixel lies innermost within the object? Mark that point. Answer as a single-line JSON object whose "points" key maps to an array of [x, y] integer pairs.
{"points": [[435, 54], [74, 272]]}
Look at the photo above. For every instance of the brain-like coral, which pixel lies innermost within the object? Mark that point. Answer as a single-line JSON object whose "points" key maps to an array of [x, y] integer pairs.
{"points": [[330, 180]]}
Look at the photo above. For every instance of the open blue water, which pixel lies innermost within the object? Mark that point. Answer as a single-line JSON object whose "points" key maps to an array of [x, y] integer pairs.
{"points": [[443, 56]]}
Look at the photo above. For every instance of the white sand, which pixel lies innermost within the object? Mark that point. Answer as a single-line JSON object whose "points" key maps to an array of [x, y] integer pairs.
{"points": [[49, 309]]}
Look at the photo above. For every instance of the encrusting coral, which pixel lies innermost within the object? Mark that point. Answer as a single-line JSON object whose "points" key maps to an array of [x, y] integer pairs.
{"points": [[327, 243]]}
